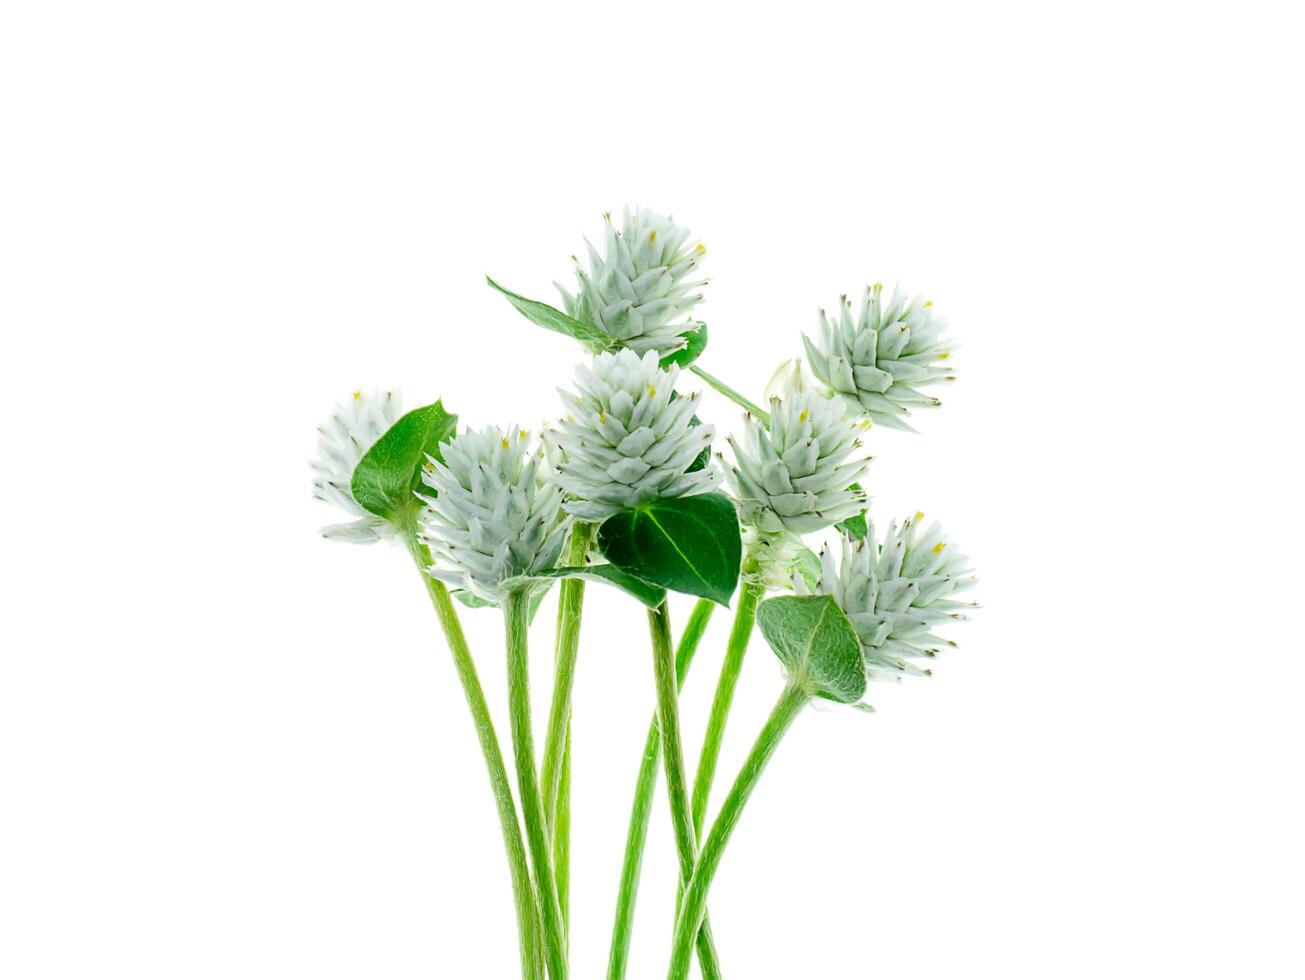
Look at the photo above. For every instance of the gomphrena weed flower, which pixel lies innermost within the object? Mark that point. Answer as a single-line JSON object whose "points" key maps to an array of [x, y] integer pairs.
{"points": [[492, 518], [795, 477], [895, 593], [877, 359], [353, 428], [628, 438], [644, 286]]}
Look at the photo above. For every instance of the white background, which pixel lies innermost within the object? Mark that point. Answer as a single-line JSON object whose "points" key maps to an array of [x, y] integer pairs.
{"points": [[229, 748]]}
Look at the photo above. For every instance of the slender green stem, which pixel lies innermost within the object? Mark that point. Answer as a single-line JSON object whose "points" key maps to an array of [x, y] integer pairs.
{"points": [[732, 395], [693, 908], [744, 619], [562, 838], [556, 771], [532, 967], [677, 786], [570, 605], [641, 809], [516, 614]]}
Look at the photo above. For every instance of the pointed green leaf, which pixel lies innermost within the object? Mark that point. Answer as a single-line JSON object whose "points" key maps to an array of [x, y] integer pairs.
{"points": [[811, 635], [855, 527], [807, 564], [689, 544], [594, 338], [695, 342], [384, 479]]}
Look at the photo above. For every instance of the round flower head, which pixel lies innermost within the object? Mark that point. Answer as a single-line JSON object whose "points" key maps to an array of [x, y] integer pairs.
{"points": [[643, 288], [794, 477], [876, 360], [492, 518], [630, 439], [895, 594], [353, 428]]}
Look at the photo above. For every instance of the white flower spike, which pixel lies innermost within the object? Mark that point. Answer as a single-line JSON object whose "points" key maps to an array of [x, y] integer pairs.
{"points": [[353, 428], [493, 518], [794, 478], [895, 594], [629, 438], [878, 359], [642, 290]]}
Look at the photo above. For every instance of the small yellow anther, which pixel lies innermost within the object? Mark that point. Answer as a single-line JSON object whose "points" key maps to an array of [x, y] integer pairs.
{"points": [[919, 515], [927, 303], [806, 414], [602, 417], [651, 391], [652, 235], [944, 355], [506, 444], [937, 549], [357, 396], [523, 434], [700, 248]]}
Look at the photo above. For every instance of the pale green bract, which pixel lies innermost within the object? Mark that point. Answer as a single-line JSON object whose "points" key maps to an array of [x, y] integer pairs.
{"points": [[878, 359], [629, 439], [794, 477], [895, 593], [492, 517], [353, 428], [642, 289]]}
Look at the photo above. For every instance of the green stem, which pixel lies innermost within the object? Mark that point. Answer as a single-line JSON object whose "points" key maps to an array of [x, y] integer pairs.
{"points": [[562, 838], [732, 395], [641, 809], [556, 774], [677, 787], [516, 615], [693, 909], [745, 616], [532, 967]]}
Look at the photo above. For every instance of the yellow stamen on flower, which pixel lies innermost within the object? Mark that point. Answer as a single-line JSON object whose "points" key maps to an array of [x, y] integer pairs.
{"points": [[806, 414], [944, 355], [919, 515], [652, 235], [357, 396], [506, 444], [523, 434], [937, 549], [927, 303], [700, 248], [651, 391], [602, 417]]}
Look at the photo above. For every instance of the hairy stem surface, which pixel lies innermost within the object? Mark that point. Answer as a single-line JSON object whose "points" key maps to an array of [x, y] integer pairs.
{"points": [[516, 614], [741, 632], [677, 787], [693, 908], [532, 967], [641, 809]]}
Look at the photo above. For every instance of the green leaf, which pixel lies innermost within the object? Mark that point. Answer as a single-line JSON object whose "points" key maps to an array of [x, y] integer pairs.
{"points": [[695, 342], [473, 601], [688, 544], [384, 480], [594, 338], [650, 595], [703, 458], [811, 635], [855, 527]]}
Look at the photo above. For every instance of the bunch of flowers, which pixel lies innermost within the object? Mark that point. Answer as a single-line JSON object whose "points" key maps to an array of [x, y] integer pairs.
{"points": [[624, 490]]}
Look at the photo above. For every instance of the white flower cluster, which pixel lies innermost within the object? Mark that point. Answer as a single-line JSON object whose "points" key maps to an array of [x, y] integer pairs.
{"points": [[629, 438], [492, 517], [352, 429], [794, 477], [895, 593], [877, 360], [642, 289]]}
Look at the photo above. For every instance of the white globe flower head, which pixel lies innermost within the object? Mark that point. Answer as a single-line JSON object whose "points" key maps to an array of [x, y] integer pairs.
{"points": [[795, 477], [643, 288], [492, 518], [895, 593], [342, 442], [629, 438], [877, 359]]}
